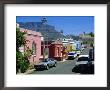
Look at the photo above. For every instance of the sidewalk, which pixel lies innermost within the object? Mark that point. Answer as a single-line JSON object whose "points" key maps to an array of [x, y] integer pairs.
{"points": [[30, 71], [27, 72], [63, 60]]}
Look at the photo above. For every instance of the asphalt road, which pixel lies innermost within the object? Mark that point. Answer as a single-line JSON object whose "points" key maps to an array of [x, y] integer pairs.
{"points": [[64, 67], [85, 51]]}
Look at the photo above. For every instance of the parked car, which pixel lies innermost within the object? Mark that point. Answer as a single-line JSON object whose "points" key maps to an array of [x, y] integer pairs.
{"points": [[84, 65], [46, 64], [53, 60], [91, 54], [72, 55]]}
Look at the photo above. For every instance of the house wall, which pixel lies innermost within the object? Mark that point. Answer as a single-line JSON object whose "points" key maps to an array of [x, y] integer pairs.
{"points": [[55, 51], [78, 45], [37, 41], [51, 51], [36, 38]]}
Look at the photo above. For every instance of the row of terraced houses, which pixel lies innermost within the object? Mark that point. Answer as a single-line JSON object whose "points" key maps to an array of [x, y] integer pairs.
{"points": [[57, 49]]}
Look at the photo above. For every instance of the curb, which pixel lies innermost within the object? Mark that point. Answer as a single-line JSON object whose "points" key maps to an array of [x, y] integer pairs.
{"points": [[29, 71]]}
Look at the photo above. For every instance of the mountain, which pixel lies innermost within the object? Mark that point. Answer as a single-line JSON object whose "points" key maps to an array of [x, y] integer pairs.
{"points": [[49, 32]]}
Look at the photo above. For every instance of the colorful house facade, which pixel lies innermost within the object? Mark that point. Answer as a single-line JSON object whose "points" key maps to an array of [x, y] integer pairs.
{"points": [[56, 50], [33, 39], [78, 45], [45, 45]]}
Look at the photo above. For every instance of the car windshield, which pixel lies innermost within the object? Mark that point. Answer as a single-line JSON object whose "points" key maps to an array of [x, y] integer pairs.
{"points": [[46, 60], [83, 59], [71, 53], [51, 59]]}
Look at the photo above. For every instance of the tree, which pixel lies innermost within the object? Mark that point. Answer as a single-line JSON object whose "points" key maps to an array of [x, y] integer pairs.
{"points": [[20, 39], [91, 34], [22, 62]]}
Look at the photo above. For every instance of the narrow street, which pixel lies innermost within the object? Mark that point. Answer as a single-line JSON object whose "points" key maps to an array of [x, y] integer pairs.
{"points": [[64, 67]]}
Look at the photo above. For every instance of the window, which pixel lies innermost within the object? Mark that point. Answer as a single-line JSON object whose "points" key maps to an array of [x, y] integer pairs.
{"points": [[34, 48]]}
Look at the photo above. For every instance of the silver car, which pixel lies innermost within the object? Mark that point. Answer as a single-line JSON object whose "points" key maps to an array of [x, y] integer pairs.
{"points": [[46, 64]]}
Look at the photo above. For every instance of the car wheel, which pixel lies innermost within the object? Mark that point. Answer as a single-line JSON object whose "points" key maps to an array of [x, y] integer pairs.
{"points": [[47, 67], [35, 67]]}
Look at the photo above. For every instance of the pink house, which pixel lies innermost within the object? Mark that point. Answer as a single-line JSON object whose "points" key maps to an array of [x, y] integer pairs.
{"points": [[34, 43]]}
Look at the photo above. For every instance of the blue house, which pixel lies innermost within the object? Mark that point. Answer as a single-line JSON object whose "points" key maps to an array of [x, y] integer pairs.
{"points": [[78, 45]]}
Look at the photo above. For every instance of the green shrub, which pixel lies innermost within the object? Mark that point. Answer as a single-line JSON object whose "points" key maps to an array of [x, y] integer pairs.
{"points": [[22, 59], [22, 63]]}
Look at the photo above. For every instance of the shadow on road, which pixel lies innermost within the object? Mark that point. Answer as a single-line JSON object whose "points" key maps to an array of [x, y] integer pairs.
{"points": [[84, 69], [40, 69]]}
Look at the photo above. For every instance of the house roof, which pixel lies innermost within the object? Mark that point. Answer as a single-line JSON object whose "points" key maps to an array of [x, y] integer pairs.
{"points": [[31, 32], [57, 42]]}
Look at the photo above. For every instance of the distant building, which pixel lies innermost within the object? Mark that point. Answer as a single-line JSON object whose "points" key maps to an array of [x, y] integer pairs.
{"points": [[86, 37], [34, 43], [71, 44], [78, 45], [86, 40]]}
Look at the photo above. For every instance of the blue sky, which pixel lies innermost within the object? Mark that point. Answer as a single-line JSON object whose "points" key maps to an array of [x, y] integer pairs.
{"points": [[69, 24]]}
